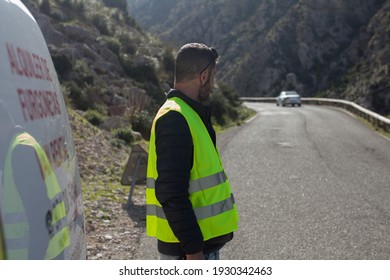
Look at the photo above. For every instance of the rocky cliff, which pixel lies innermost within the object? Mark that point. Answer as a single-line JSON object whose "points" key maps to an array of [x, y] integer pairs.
{"points": [[327, 48], [107, 65], [112, 70]]}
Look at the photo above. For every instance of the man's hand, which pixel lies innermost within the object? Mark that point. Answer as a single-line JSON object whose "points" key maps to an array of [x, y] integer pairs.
{"points": [[197, 256]]}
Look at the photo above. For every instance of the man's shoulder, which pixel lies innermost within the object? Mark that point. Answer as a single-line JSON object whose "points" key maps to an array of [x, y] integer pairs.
{"points": [[172, 123], [171, 118]]}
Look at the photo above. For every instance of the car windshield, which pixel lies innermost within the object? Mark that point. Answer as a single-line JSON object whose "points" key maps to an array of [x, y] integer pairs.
{"points": [[291, 93]]}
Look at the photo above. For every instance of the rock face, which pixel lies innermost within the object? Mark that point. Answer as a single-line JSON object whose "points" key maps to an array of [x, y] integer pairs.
{"points": [[330, 48], [99, 52]]}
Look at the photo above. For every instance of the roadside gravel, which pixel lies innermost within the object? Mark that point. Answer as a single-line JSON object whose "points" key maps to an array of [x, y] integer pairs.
{"points": [[112, 230]]}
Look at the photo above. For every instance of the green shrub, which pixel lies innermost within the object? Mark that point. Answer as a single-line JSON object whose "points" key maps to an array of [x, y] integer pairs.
{"points": [[94, 117], [84, 74], [79, 5], [230, 94], [62, 63], [219, 105], [124, 134], [142, 122], [100, 108], [129, 45], [117, 143], [78, 96], [143, 73], [113, 44], [100, 23]]}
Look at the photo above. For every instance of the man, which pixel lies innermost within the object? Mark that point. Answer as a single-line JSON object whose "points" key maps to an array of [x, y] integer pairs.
{"points": [[190, 207]]}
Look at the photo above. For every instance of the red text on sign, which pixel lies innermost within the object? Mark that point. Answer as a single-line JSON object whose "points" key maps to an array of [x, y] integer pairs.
{"points": [[57, 151], [38, 104], [28, 64]]}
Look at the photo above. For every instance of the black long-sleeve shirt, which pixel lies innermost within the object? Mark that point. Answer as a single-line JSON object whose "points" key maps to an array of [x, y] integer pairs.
{"points": [[174, 148]]}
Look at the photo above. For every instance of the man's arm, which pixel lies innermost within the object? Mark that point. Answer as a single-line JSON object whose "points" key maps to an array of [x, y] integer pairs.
{"points": [[174, 148]]}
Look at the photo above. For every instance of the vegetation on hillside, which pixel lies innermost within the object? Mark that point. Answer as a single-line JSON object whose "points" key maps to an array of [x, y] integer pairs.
{"points": [[328, 48], [109, 67]]}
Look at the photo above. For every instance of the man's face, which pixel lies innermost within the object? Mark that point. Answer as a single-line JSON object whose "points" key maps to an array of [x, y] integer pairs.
{"points": [[204, 90]]}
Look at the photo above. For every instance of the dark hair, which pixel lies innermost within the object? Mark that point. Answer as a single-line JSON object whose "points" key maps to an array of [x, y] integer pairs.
{"points": [[192, 59]]}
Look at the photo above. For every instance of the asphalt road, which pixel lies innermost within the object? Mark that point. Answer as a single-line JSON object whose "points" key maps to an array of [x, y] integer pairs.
{"points": [[310, 183]]}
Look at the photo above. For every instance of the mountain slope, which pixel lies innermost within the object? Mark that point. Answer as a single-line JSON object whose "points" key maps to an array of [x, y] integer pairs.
{"points": [[329, 48]]}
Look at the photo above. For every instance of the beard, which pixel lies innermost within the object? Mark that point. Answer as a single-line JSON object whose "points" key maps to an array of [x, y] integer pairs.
{"points": [[204, 93]]}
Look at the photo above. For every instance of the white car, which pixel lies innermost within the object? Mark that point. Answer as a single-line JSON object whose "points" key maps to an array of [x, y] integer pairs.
{"points": [[41, 206], [288, 98]]}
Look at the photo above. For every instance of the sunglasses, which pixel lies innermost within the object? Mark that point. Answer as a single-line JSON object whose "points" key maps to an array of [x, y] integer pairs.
{"points": [[215, 57]]}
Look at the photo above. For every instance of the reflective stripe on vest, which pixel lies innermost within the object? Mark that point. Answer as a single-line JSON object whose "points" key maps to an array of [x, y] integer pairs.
{"points": [[200, 213], [16, 228], [198, 184], [209, 188]]}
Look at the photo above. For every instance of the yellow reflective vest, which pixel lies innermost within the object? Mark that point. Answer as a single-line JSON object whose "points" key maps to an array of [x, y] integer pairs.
{"points": [[16, 225], [209, 188]]}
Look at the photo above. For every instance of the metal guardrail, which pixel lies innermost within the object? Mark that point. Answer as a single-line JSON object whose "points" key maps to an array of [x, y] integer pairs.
{"points": [[372, 117]]}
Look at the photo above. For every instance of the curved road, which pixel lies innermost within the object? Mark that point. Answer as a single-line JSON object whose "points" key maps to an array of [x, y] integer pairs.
{"points": [[310, 183]]}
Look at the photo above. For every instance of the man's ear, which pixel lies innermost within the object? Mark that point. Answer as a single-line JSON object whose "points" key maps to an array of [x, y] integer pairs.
{"points": [[204, 76]]}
